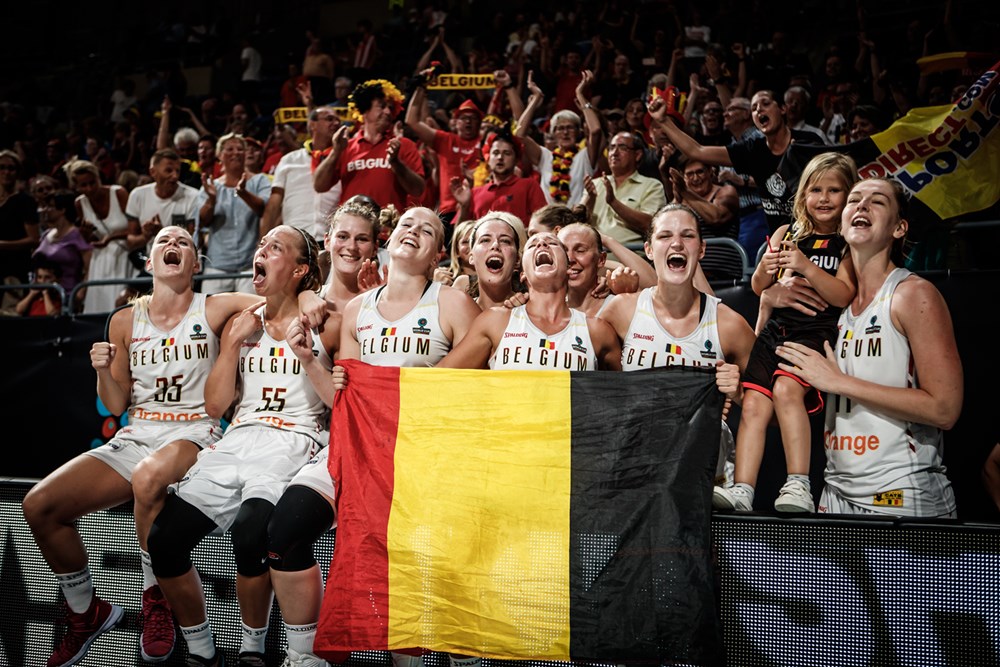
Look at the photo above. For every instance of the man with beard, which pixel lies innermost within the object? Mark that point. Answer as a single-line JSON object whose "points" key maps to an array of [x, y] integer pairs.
{"points": [[373, 162], [505, 191]]}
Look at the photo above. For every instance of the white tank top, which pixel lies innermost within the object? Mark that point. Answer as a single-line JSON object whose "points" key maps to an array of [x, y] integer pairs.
{"points": [[524, 346], [169, 368], [873, 460], [415, 339], [276, 391], [648, 345]]}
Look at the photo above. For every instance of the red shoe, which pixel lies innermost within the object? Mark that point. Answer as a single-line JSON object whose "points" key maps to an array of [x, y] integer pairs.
{"points": [[156, 642], [82, 630]]}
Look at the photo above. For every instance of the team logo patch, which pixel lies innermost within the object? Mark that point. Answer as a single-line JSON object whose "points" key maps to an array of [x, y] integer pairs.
{"points": [[578, 346], [421, 327], [776, 185], [197, 333], [708, 352], [888, 498], [872, 327], [546, 344]]}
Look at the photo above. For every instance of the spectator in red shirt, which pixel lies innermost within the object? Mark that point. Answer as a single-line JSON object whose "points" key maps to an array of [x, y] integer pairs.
{"points": [[373, 162], [458, 152], [505, 191]]}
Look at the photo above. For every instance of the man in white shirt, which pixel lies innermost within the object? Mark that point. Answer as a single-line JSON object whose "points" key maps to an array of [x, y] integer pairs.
{"points": [[166, 201], [293, 200]]}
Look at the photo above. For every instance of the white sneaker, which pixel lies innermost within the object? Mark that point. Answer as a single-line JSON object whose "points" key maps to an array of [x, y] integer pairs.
{"points": [[295, 659], [735, 497], [795, 496]]}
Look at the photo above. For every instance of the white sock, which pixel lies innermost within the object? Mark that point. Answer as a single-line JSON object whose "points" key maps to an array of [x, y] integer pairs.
{"points": [[253, 639], [199, 640], [800, 478], [78, 589], [301, 637], [148, 578]]}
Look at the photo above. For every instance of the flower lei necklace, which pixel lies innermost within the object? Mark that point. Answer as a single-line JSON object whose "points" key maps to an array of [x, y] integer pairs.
{"points": [[562, 161]]}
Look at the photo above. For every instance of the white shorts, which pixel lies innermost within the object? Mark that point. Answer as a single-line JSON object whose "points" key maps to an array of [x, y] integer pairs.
{"points": [[142, 437], [830, 502], [315, 474], [251, 461]]}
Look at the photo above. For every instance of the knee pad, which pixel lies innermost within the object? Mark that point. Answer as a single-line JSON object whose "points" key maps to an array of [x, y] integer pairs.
{"points": [[249, 537], [174, 534], [300, 518]]}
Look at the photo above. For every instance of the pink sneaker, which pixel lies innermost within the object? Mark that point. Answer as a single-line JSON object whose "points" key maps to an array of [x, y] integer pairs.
{"points": [[82, 630], [156, 642]]}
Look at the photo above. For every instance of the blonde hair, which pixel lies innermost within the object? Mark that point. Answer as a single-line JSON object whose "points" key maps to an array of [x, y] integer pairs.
{"points": [[77, 167], [227, 137], [824, 163], [462, 229], [511, 220]]}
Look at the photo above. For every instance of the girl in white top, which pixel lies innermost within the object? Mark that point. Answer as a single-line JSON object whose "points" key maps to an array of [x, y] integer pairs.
{"points": [[154, 364], [676, 324], [276, 367], [408, 321], [306, 508], [894, 375], [545, 332]]}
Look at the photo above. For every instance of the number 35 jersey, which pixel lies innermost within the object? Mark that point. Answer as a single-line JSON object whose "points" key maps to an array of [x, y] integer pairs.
{"points": [[169, 368]]}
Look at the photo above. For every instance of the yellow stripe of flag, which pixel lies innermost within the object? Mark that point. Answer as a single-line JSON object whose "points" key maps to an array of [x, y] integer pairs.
{"points": [[489, 589]]}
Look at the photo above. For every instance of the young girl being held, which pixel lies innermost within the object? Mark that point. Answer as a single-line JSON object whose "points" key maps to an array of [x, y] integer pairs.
{"points": [[804, 281]]}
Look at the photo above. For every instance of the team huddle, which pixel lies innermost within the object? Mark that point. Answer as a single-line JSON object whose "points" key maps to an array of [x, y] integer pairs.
{"points": [[846, 329]]}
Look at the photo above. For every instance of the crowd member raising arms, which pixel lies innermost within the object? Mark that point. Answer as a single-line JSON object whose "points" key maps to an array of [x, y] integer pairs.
{"points": [[676, 324], [886, 413], [279, 423]]}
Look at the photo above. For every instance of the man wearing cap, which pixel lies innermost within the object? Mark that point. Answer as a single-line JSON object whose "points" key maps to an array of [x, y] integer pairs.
{"points": [[373, 162], [458, 152], [505, 191], [293, 200]]}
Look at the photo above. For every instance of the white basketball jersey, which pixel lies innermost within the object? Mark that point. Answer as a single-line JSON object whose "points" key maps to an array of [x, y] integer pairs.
{"points": [[648, 345], [524, 346], [276, 390], [415, 339], [169, 368], [873, 460]]}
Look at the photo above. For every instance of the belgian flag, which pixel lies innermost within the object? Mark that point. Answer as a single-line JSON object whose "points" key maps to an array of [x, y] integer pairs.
{"points": [[548, 515]]}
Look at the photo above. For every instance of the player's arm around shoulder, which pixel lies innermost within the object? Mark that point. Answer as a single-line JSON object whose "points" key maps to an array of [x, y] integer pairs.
{"points": [[607, 345], [476, 347]]}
